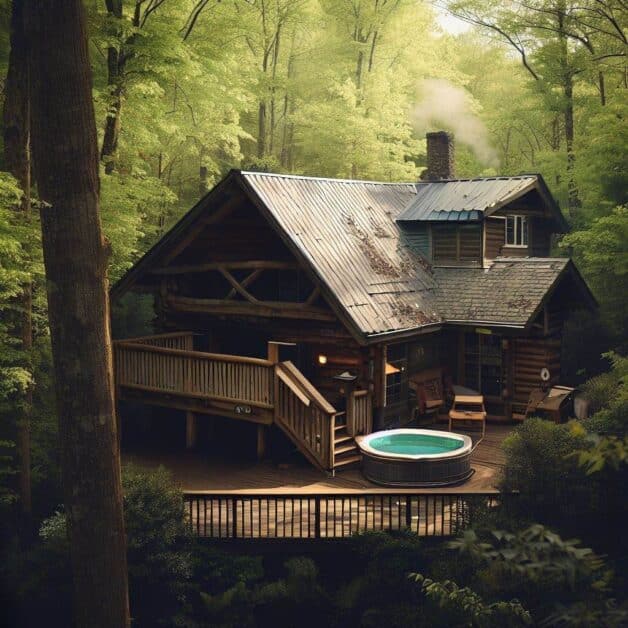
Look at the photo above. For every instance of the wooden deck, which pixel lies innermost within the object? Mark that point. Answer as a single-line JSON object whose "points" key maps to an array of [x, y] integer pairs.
{"points": [[194, 472]]}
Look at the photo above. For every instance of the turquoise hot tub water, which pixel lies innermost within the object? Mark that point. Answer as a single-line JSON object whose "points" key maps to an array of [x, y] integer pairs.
{"points": [[415, 444]]}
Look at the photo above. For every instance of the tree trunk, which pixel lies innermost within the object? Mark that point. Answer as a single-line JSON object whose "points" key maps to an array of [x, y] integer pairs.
{"points": [[16, 124], [261, 129], [115, 68], [65, 154], [573, 200]]}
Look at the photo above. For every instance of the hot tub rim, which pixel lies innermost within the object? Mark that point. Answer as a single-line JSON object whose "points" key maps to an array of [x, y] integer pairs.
{"points": [[365, 447]]}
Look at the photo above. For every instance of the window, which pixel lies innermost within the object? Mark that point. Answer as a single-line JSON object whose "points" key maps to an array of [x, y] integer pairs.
{"points": [[483, 363], [396, 374], [516, 231]]}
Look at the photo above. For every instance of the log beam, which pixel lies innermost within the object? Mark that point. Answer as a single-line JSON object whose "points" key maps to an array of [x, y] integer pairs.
{"points": [[247, 281], [244, 265], [271, 309]]}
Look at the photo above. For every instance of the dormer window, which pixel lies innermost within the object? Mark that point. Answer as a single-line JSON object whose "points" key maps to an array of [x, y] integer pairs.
{"points": [[516, 230]]}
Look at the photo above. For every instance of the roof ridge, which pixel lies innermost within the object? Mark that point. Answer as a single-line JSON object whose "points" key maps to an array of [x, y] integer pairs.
{"points": [[495, 178], [532, 259], [333, 179]]}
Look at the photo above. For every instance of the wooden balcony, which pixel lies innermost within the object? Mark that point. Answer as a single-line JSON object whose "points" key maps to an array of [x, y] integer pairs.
{"points": [[164, 370]]}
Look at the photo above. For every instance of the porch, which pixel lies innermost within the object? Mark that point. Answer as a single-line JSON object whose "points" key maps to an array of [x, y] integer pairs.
{"points": [[236, 499], [164, 370]]}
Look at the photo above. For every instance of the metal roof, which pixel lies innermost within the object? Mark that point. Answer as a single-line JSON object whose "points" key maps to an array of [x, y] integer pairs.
{"points": [[465, 199], [347, 232]]}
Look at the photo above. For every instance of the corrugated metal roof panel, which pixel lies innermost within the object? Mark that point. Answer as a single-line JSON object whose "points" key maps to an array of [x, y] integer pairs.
{"points": [[347, 230], [469, 198]]}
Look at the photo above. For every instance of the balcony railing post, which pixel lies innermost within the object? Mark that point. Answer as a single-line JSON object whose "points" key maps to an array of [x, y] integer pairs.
{"points": [[317, 517]]}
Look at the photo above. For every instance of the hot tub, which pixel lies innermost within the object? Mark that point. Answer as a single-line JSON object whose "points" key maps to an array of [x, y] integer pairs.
{"points": [[413, 457]]}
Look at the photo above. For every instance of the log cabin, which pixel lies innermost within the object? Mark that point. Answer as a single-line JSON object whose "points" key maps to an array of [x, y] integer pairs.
{"points": [[317, 305]]}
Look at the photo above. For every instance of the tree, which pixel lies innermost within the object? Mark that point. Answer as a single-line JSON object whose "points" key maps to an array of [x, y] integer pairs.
{"points": [[17, 162], [75, 255]]}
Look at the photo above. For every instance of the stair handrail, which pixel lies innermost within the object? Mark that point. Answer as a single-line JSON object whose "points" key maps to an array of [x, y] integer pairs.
{"points": [[310, 397]]}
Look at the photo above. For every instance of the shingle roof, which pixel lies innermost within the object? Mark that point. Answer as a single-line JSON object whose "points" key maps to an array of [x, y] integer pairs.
{"points": [[509, 292], [465, 199], [347, 231]]}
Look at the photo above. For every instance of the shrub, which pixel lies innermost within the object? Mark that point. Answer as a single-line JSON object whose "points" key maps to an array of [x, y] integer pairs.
{"points": [[159, 557], [159, 547], [608, 395], [551, 576], [539, 466]]}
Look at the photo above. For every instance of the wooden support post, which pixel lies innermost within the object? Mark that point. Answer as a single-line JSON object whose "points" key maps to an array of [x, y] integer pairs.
{"points": [[190, 430], [211, 429], [261, 441]]}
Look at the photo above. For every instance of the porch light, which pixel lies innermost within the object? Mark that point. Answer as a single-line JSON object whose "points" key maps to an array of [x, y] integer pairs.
{"points": [[322, 359], [390, 369]]}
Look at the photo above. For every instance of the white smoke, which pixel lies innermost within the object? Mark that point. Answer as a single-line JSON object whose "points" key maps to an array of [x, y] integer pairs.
{"points": [[443, 105]]}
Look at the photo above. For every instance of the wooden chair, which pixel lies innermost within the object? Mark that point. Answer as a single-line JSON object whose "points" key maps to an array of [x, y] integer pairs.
{"points": [[468, 408], [428, 388]]}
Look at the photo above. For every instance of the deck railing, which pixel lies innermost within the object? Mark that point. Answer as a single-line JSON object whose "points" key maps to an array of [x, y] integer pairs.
{"points": [[228, 378], [359, 413], [333, 515], [305, 415], [183, 340]]}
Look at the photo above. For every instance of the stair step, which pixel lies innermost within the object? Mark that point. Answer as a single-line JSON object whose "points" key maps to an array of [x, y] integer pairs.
{"points": [[341, 438], [342, 426], [347, 461], [344, 449]]}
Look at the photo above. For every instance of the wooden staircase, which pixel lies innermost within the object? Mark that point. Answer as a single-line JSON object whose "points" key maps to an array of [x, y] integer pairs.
{"points": [[346, 450], [165, 370]]}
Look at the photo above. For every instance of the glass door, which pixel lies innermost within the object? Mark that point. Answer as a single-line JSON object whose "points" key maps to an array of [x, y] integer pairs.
{"points": [[483, 363]]}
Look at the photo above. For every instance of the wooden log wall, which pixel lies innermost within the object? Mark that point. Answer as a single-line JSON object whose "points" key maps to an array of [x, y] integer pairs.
{"points": [[530, 355], [457, 243], [494, 237]]}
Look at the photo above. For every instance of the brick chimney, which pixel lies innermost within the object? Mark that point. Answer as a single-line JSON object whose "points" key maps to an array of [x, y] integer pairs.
{"points": [[440, 156]]}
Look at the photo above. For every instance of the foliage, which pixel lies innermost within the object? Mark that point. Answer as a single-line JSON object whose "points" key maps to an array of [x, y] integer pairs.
{"points": [[295, 600], [539, 468], [551, 576], [159, 557], [158, 546], [452, 605], [601, 251], [603, 452], [14, 271]]}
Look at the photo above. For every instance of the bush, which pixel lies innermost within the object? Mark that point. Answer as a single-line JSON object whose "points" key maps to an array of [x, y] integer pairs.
{"points": [[159, 548], [608, 396], [159, 551], [548, 574], [552, 488]]}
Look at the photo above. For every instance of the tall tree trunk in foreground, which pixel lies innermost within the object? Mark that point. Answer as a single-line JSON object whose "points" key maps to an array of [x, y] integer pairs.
{"points": [[17, 161], [65, 156]]}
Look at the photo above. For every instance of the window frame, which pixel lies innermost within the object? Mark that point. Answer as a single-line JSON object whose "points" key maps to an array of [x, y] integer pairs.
{"points": [[521, 219]]}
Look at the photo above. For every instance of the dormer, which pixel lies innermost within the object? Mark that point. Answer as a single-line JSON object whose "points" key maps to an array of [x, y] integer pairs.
{"points": [[471, 222]]}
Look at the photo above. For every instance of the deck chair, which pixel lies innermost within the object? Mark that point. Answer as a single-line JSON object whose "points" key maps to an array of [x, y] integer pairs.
{"points": [[428, 388]]}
